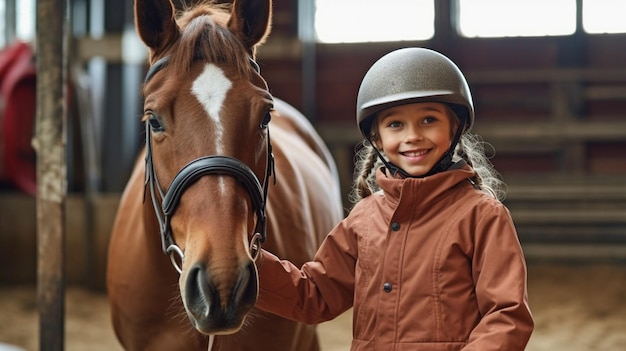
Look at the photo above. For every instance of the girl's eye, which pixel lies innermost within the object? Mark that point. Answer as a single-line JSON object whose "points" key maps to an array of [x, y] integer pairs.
{"points": [[429, 120], [155, 124], [395, 125]]}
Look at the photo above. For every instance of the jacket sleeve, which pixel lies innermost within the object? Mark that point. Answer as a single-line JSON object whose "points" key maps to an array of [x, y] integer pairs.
{"points": [[320, 290], [499, 271]]}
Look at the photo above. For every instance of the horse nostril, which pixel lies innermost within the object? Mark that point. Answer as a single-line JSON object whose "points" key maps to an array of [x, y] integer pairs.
{"points": [[246, 291], [210, 309], [200, 295]]}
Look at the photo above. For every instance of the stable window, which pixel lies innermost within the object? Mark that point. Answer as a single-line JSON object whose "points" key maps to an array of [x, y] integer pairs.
{"points": [[604, 16], [25, 23], [348, 21], [515, 18], [17, 22]]}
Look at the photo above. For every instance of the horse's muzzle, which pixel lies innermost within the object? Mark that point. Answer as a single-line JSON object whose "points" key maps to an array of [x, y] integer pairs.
{"points": [[204, 305]]}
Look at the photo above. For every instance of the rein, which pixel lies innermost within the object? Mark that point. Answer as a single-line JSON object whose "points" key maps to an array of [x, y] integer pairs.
{"points": [[207, 165]]}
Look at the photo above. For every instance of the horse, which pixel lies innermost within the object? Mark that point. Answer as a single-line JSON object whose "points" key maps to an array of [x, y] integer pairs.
{"points": [[210, 188]]}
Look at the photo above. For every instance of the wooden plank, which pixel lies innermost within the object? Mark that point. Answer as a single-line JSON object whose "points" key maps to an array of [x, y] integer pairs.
{"points": [[569, 216], [545, 75], [574, 253], [51, 116], [542, 132], [564, 131], [568, 192], [606, 92], [81, 269], [109, 47]]}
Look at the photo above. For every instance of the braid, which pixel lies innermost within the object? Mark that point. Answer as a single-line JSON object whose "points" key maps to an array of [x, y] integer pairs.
{"points": [[471, 148], [460, 151], [366, 163]]}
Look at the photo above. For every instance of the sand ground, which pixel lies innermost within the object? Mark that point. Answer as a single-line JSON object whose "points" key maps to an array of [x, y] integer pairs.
{"points": [[576, 308]]}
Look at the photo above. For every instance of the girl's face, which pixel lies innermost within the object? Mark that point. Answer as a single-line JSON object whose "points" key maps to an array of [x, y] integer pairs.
{"points": [[415, 136]]}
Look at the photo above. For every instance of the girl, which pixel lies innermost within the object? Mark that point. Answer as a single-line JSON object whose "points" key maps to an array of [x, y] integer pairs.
{"points": [[428, 257]]}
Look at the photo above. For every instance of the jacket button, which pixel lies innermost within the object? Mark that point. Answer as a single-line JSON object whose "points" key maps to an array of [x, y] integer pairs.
{"points": [[395, 226], [387, 287]]}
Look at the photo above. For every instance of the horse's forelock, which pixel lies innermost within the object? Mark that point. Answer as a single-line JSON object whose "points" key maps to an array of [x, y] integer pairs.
{"points": [[204, 30]]}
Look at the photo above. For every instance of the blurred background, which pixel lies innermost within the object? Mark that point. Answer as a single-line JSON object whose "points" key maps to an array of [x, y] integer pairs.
{"points": [[549, 85]]}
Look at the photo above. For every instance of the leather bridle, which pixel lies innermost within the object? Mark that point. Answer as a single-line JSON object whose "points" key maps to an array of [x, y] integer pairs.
{"points": [[207, 165]]}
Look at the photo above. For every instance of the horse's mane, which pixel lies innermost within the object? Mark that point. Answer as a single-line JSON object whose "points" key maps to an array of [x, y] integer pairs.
{"points": [[205, 36]]}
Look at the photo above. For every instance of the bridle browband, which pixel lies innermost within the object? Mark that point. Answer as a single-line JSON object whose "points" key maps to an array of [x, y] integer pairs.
{"points": [[207, 165]]}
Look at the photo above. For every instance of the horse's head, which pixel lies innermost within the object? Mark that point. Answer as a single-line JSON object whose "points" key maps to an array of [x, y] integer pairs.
{"points": [[206, 110]]}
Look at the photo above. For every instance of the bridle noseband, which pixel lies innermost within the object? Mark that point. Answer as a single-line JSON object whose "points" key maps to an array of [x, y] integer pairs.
{"points": [[207, 165]]}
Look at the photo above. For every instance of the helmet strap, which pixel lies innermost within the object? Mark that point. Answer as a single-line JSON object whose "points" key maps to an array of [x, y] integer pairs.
{"points": [[446, 160], [390, 166]]}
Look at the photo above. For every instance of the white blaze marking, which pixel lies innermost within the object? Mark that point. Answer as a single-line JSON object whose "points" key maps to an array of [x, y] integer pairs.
{"points": [[210, 88]]}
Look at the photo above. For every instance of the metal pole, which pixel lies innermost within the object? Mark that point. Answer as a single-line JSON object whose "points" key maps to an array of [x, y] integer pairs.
{"points": [[50, 139], [306, 32]]}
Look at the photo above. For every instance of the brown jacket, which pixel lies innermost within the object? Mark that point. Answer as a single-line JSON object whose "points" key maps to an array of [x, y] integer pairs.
{"points": [[428, 264]]}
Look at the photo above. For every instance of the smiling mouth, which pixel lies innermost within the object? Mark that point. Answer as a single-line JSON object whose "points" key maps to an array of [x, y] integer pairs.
{"points": [[415, 153]]}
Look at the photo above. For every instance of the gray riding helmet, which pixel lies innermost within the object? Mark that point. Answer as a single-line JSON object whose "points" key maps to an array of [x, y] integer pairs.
{"points": [[411, 75]]}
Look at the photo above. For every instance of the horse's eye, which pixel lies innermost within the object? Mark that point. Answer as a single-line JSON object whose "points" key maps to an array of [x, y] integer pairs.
{"points": [[266, 119], [155, 124]]}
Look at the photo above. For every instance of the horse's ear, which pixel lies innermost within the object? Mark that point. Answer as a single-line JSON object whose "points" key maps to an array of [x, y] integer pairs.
{"points": [[155, 22], [251, 21]]}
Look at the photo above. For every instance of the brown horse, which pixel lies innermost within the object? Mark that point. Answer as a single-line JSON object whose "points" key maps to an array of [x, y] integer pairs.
{"points": [[210, 181]]}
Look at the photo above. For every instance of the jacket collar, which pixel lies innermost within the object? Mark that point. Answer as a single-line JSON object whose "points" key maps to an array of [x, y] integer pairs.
{"points": [[399, 189]]}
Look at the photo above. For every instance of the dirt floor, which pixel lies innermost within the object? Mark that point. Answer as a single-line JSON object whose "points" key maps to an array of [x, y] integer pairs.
{"points": [[576, 308]]}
